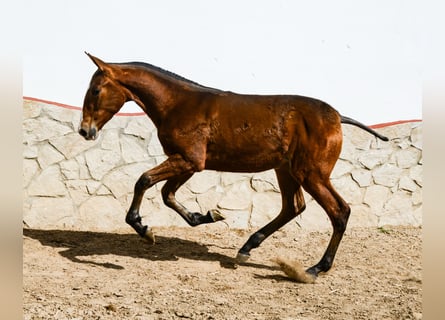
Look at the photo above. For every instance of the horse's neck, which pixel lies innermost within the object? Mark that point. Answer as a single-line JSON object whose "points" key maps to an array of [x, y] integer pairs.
{"points": [[152, 93]]}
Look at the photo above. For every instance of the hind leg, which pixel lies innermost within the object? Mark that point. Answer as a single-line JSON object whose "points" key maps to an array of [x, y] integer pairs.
{"points": [[192, 218], [338, 211], [292, 205]]}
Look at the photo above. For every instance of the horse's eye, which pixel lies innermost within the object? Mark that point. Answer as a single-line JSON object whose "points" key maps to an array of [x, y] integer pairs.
{"points": [[95, 92]]}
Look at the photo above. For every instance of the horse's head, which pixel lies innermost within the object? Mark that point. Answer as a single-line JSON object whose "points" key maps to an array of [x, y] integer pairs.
{"points": [[103, 99]]}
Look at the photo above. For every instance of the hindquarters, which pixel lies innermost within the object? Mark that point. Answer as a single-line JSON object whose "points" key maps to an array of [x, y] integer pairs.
{"points": [[315, 154], [315, 143]]}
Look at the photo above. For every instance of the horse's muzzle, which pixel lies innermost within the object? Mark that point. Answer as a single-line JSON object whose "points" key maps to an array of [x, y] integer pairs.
{"points": [[88, 134]]}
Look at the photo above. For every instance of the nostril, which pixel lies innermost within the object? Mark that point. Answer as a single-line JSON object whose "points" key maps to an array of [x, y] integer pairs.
{"points": [[82, 132]]}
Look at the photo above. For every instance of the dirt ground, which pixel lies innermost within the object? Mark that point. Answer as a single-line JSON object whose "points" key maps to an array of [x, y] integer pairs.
{"points": [[189, 273]]}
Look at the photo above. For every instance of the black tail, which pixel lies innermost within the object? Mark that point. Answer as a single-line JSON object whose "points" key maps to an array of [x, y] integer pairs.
{"points": [[347, 120]]}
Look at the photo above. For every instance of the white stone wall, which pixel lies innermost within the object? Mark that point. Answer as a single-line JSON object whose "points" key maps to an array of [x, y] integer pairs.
{"points": [[88, 185]]}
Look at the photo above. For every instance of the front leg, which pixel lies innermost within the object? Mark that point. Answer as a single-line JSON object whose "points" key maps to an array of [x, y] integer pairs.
{"points": [[134, 219], [172, 167]]}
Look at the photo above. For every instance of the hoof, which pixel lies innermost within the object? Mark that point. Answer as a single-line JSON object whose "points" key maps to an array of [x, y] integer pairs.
{"points": [[242, 257], [312, 272], [215, 215], [149, 236]]}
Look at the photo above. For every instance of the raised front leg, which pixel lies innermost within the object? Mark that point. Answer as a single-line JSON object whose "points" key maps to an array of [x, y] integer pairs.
{"points": [[174, 166]]}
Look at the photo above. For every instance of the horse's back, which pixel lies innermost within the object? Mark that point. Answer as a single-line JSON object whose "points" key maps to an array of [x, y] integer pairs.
{"points": [[255, 133]]}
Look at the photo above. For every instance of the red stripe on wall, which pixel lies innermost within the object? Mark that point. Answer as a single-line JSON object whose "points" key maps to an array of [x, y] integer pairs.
{"points": [[387, 124], [79, 108], [127, 114]]}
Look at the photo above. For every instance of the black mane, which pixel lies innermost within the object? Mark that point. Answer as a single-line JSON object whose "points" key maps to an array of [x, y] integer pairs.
{"points": [[166, 72]]}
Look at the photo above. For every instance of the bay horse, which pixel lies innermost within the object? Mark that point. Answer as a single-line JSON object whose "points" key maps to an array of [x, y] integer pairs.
{"points": [[206, 128]]}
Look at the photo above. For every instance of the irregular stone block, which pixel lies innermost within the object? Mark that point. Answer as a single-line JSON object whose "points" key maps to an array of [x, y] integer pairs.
{"points": [[407, 184], [103, 191], [265, 181], [30, 169], [48, 183], [373, 158], [102, 213], [92, 186], [155, 150], [387, 175], [416, 137], [41, 129], [404, 144], [417, 198], [30, 151], [45, 213], [31, 109], [61, 114], [415, 173], [376, 197], [357, 137], [48, 155], [408, 157], [110, 140], [348, 189], [348, 150], [203, 181], [418, 217], [362, 177], [117, 122], [84, 172], [398, 210], [132, 151], [121, 181], [341, 168], [265, 207], [314, 218], [236, 219], [139, 127], [78, 191], [100, 162], [70, 169], [238, 197], [400, 131], [229, 178], [209, 200], [155, 213], [72, 144]]}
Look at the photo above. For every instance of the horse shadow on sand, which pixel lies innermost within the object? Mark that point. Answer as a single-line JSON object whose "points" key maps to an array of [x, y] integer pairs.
{"points": [[79, 245]]}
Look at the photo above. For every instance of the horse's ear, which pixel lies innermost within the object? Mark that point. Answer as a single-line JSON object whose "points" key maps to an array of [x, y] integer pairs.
{"points": [[103, 66]]}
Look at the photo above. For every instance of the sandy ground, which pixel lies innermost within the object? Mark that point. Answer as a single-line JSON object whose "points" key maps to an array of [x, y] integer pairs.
{"points": [[189, 274]]}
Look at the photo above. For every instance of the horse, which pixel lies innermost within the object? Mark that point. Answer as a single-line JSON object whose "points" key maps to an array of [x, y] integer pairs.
{"points": [[205, 128]]}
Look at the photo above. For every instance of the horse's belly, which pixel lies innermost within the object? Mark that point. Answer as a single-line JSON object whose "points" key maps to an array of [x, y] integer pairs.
{"points": [[243, 161]]}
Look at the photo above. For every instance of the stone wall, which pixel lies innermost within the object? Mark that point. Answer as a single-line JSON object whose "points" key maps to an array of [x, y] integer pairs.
{"points": [[88, 185]]}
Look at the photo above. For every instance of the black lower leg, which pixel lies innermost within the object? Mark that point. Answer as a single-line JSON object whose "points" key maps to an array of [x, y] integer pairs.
{"points": [[253, 242], [195, 218], [134, 220], [328, 258], [338, 211], [323, 266]]}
